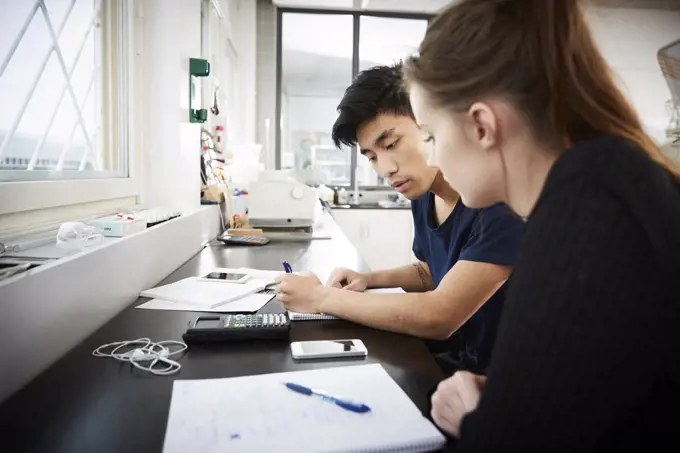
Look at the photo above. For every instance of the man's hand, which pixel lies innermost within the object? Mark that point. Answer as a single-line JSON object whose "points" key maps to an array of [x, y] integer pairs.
{"points": [[302, 293], [352, 280], [454, 398]]}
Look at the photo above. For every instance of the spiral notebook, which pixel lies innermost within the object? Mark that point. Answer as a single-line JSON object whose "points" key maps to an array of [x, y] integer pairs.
{"points": [[297, 316], [260, 414]]}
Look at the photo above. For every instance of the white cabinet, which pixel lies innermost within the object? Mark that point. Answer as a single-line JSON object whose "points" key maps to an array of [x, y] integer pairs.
{"points": [[383, 237]]}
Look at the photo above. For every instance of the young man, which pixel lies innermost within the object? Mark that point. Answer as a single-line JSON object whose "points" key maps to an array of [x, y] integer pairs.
{"points": [[455, 290]]}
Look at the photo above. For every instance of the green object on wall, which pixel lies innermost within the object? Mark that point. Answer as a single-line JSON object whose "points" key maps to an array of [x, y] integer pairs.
{"points": [[197, 68]]}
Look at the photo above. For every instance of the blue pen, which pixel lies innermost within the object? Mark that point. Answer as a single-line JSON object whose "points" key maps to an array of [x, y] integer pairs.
{"points": [[343, 403], [287, 268]]}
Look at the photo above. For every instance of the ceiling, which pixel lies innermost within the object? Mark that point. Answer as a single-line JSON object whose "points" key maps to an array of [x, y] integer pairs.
{"points": [[404, 6], [433, 6]]}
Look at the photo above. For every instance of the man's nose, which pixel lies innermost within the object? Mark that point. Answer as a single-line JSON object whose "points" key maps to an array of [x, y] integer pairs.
{"points": [[387, 166]]}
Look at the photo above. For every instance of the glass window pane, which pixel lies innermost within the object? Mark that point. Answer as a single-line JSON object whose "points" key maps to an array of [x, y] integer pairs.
{"points": [[385, 41], [77, 28], [39, 126], [316, 70]]}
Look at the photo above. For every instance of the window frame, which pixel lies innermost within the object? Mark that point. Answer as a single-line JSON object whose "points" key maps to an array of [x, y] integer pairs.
{"points": [[28, 194], [356, 39]]}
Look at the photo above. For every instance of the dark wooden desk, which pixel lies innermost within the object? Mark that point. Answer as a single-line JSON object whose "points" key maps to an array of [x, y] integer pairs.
{"points": [[84, 404]]}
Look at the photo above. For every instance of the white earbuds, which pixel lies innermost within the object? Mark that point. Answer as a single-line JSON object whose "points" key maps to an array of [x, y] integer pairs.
{"points": [[145, 354]]}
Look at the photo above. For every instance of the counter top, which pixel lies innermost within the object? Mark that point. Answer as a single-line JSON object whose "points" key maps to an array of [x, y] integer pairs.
{"points": [[83, 404], [370, 206]]}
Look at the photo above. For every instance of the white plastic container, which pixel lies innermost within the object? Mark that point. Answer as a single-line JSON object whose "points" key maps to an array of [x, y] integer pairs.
{"points": [[117, 227], [343, 196]]}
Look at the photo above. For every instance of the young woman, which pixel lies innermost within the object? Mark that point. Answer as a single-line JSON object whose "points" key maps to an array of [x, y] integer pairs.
{"points": [[523, 109]]}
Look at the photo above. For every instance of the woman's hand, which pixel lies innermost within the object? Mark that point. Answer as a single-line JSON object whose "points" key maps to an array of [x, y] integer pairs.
{"points": [[454, 398]]}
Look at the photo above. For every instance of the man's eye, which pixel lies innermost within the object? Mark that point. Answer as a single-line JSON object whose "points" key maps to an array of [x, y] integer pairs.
{"points": [[429, 139], [392, 145]]}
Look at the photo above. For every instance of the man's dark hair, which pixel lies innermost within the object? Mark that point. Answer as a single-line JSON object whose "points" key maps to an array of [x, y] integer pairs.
{"points": [[372, 92]]}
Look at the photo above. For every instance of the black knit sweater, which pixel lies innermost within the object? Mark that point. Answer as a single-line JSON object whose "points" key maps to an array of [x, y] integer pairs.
{"points": [[587, 356]]}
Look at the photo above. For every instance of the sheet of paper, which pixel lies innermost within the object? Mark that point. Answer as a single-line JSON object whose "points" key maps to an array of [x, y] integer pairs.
{"points": [[248, 304], [258, 413], [204, 294], [268, 276]]}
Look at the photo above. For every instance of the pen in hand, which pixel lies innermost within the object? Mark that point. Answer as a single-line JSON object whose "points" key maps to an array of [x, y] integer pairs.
{"points": [[342, 402], [287, 267]]}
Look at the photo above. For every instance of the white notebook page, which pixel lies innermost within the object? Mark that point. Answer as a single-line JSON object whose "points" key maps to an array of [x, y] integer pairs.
{"points": [[296, 316], [258, 413]]}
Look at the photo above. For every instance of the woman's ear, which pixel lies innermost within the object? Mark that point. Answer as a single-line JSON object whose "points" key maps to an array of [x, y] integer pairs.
{"points": [[485, 125]]}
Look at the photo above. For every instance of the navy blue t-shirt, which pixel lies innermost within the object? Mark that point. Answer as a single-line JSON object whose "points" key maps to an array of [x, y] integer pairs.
{"points": [[489, 235]]}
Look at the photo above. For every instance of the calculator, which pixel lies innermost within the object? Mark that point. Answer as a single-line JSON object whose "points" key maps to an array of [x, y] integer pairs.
{"points": [[243, 240], [236, 327]]}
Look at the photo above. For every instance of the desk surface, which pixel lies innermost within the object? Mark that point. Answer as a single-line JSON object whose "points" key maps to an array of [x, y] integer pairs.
{"points": [[87, 404]]}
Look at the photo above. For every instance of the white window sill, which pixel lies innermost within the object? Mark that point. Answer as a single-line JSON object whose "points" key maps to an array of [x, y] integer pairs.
{"points": [[69, 298]]}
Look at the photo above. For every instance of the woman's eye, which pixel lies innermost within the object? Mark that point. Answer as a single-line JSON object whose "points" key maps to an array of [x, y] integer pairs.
{"points": [[372, 159], [429, 139]]}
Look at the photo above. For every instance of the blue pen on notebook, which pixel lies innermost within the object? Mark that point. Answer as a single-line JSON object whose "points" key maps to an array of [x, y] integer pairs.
{"points": [[342, 402], [287, 268]]}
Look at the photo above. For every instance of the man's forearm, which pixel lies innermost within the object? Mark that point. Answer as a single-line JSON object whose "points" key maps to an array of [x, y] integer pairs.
{"points": [[414, 314], [412, 278]]}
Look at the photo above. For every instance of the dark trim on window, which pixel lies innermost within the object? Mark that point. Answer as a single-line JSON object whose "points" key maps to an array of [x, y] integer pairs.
{"points": [[279, 85], [356, 35]]}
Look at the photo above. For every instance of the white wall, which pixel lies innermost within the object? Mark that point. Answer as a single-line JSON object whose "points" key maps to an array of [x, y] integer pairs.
{"points": [[630, 40], [171, 144], [245, 41]]}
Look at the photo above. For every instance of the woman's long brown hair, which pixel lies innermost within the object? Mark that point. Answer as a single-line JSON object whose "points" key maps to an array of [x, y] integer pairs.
{"points": [[538, 54]]}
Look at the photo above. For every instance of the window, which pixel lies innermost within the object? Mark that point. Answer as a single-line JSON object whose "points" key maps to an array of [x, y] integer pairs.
{"points": [[62, 85], [316, 67], [320, 53], [382, 41]]}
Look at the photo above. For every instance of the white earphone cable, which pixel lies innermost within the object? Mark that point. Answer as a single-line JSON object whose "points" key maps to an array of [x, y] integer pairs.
{"points": [[145, 354]]}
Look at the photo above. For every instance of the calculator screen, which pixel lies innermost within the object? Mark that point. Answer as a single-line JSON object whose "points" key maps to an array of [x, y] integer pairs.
{"points": [[212, 323], [330, 347]]}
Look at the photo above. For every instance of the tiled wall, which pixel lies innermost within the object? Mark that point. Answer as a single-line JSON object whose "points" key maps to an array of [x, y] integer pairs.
{"points": [[266, 78], [629, 40]]}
